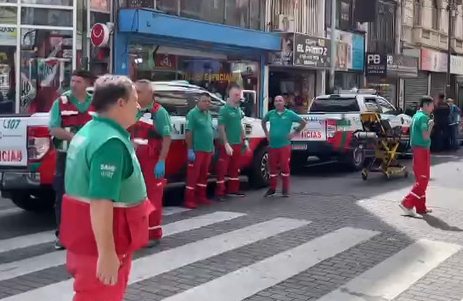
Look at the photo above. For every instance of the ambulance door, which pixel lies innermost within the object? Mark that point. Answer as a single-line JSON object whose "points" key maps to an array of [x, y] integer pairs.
{"points": [[249, 103]]}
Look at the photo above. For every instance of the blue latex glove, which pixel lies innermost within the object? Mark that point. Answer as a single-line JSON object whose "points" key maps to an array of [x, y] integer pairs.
{"points": [[160, 169], [191, 155]]}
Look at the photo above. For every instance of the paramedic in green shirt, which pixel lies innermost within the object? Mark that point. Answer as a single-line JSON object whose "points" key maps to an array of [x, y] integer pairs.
{"points": [[279, 137], [232, 139], [105, 207], [420, 141], [200, 144], [68, 114]]}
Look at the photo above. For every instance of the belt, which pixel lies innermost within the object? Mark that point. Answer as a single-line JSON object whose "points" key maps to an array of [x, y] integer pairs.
{"points": [[115, 204]]}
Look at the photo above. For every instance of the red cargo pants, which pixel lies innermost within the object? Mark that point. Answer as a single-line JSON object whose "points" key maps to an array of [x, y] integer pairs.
{"points": [[422, 168], [87, 286], [228, 166], [279, 164], [196, 186], [154, 189]]}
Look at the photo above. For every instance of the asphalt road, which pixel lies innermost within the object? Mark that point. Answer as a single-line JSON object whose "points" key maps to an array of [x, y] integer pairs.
{"points": [[336, 238]]}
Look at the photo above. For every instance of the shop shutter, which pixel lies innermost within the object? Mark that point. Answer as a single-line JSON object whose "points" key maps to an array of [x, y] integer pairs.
{"points": [[438, 83], [415, 88]]}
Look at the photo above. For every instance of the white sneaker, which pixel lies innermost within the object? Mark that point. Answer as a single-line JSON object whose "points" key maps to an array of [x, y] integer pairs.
{"points": [[409, 212]]}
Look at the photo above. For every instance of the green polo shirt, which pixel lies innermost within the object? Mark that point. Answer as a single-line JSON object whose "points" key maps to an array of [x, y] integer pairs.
{"points": [[230, 117], [280, 126], [199, 123], [102, 164], [55, 114], [420, 124], [161, 120]]}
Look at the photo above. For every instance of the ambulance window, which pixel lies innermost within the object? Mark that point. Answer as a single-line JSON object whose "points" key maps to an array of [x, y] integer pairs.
{"points": [[386, 107], [175, 102], [334, 104], [371, 105]]}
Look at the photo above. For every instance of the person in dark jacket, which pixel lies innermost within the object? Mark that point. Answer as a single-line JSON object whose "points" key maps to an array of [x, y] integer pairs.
{"points": [[441, 132]]}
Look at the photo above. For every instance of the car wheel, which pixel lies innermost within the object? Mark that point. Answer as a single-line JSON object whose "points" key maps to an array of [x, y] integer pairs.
{"points": [[259, 174], [355, 159], [32, 202]]}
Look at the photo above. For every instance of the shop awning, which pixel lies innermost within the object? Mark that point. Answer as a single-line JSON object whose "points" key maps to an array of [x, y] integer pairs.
{"points": [[149, 23]]}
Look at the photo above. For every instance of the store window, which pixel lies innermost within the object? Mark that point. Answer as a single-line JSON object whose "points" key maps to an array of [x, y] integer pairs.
{"points": [[46, 16], [100, 5], [49, 2], [45, 64], [8, 15], [255, 11], [7, 70], [168, 6], [8, 1], [209, 10], [237, 12]]}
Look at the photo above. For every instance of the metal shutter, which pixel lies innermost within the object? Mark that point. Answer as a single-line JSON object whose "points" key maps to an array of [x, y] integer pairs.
{"points": [[438, 83], [415, 88]]}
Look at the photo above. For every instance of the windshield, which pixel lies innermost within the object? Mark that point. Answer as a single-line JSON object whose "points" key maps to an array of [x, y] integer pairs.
{"points": [[335, 104], [179, 103]]}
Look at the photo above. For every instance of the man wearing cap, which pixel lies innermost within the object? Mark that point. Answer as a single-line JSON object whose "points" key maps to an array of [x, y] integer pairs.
{"points": [[200, 144], [69, 113], [279, 138], [233, 142], [105, 209], [151, 135]]}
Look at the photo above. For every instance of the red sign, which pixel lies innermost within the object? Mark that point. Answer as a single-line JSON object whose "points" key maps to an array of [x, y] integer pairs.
{"points": [[11, 156], [100, 35]]}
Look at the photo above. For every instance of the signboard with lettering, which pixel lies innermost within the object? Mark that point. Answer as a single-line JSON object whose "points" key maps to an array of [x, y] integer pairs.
{"points": [[311, 51], [402, 66], [140, 4], [376, 64], [13, 137]]}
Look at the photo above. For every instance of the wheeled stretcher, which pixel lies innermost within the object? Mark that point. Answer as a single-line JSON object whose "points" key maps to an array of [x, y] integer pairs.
{"points": [[380, 143]]}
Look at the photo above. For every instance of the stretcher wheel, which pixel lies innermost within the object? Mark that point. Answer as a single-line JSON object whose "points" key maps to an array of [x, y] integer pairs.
{"points": [[364, 175]]}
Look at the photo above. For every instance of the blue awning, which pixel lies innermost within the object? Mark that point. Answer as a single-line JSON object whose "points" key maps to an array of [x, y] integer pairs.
{"points": [[154, 24]]}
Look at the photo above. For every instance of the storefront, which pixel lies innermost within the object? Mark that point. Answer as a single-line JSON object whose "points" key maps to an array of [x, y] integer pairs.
{"points": [[386, 74], [295, 72], [435, 63], [175, 48], [456, 69], [41, 42], [349, 61]]}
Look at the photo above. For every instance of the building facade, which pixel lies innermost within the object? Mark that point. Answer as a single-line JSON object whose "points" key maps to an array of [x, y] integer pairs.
{"points": [[41, 42]]}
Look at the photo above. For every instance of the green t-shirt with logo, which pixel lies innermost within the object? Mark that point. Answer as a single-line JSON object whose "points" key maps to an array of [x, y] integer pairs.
{"points": [[230, 117], [102, 164], [199, 123], [280, 126], [420, 124]]}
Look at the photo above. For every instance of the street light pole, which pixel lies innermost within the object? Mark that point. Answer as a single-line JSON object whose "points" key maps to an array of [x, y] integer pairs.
{"points": [[451, 10], [333, 45]]}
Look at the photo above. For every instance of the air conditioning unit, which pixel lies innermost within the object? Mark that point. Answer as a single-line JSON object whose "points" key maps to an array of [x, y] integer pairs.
{"points": [[285, 23]]}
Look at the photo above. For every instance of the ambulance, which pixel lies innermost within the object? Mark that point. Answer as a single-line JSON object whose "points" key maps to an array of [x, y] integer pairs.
{"points": [[332, 121], [27, 155]]}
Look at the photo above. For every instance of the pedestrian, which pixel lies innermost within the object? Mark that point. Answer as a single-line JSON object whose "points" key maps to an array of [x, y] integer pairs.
{"points": [[420, 142], [151, 136], [454, 123], [105, 208], [233, 143], [68, 114], [441, 133], [279, 138], [200, 144]]}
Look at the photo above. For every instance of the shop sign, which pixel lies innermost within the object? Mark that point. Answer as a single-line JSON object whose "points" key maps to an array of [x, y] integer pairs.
{"points": [[402, 66], [376, 64], [311, 51], [166, 61], [285, 56], [433, 61], [350, 51], [456, 64], [100, 35]]}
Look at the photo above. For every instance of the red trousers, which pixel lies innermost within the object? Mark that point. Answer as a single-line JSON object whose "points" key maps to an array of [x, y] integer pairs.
{"points": [[421, 167], [228, 166], [279, 164], [87, 286], [154, 189], [196, 185]]}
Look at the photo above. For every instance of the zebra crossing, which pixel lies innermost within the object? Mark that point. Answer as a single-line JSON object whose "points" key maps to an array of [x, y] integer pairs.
{"points": [[384, 281]]}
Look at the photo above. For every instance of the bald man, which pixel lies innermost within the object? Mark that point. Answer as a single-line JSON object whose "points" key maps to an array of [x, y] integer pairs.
{"points": [[151, 136]]}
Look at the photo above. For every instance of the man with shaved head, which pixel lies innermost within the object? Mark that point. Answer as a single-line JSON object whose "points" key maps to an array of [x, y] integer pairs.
{"points": [[151, 136]]}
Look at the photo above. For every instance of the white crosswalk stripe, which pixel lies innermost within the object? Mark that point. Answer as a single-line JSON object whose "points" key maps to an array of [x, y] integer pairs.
{"points": [[25, 241], [385, 281], [393, 276], [53, 259]]}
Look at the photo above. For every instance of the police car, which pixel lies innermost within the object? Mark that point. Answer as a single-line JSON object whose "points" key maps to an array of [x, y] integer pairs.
{"points": [[332, 121], [27, 156]]}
